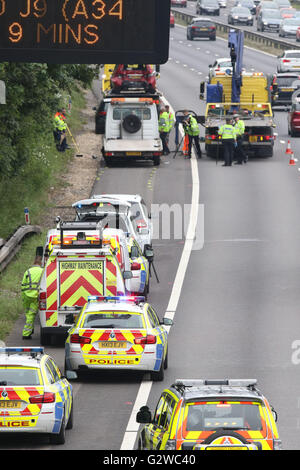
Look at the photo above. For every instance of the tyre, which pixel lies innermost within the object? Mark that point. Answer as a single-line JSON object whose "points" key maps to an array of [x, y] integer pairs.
{"points": [[59, 438], [45, 339], [131, 123], [156, 160], [221, 433], [70, 422], [158, 376], [166, 361]]}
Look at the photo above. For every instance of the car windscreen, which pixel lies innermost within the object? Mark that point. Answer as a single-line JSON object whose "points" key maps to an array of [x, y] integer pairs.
{"points": [[271, 14], [213, 3], [292, 22], [19, 376], [120, 112], [240, 10], [287, 81], [292, 55], [211, 416], [203, 24], [271, 5], [112, 319]]}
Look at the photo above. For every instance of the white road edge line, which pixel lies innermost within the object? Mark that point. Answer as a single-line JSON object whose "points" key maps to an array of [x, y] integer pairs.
{"points": [[146, 385]]}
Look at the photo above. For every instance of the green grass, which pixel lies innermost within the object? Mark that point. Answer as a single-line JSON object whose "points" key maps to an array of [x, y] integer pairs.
{"points": [[30, 189]]}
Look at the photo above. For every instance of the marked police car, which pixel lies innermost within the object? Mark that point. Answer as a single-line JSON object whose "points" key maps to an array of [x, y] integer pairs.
{"points": [[210, 415], [118, 333], [34, 397]]}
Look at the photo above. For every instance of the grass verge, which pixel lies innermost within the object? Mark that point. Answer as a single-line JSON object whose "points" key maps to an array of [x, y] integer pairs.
{"points": [[30, 189]]}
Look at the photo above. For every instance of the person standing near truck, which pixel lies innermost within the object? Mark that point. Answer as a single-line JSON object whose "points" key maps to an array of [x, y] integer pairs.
{"points": [[228, 135], [239, 126], [30, 292], [163, 126]]}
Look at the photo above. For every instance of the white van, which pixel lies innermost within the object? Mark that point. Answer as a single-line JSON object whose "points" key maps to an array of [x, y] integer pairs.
{"points": [[131, 130]]}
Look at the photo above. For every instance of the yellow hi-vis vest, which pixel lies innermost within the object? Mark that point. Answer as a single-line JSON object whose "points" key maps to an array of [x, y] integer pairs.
{"points": [[31, 281], [227, 131]]}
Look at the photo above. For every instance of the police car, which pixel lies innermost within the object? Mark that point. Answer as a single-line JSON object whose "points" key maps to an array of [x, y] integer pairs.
{"points": [[118, 333], [139, 214], [210, 415], [34, 397], [125, 212]]}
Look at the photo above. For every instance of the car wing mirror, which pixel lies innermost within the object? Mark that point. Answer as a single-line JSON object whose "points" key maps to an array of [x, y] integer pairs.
{"points": [[143, 416], [274, 412], [71, 375], [167, 321]]}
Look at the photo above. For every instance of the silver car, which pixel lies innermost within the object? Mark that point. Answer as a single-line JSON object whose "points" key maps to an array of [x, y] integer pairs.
{"points": [[288, 27], [289, 61]]}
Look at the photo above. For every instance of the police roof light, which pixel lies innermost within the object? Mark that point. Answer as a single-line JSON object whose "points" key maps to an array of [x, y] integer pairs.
{"points": [[120, 298], [21, 350]]}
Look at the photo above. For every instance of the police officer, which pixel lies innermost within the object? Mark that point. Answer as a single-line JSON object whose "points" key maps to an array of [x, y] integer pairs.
{"points": [[163, 127], [30, 292], [228, 135], [171, 121], [192, 129], [239, 126]]}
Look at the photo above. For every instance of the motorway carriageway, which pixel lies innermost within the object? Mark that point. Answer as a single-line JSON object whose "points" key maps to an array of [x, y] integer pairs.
{"points": [[238, 312]]}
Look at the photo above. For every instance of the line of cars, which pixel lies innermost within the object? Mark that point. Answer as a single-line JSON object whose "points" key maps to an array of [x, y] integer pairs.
{"points": [[93, 295]]}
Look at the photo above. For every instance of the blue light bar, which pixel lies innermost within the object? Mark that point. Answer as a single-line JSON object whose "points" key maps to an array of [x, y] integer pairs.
{"points": [[121, 298], [22, 350]]}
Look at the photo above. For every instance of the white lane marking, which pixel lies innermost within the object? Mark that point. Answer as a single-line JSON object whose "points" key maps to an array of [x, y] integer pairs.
{"points": [[145, 386]]}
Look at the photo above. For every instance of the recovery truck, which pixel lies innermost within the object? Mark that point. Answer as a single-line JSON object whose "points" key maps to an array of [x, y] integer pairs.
{"points": [[242, 93], [76, 265]]}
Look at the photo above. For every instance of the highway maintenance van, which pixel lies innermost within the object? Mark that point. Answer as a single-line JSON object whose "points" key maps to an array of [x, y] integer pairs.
{"points": [[77, 265]]}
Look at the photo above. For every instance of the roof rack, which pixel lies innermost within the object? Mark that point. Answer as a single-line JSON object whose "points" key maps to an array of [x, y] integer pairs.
{"points": [[79, 227], [187, 383], [33, 351]]}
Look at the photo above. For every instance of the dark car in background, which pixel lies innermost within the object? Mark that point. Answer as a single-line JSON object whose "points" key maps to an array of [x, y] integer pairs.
{"points": [[240, 15], [247, 4], [201, 28], [100, 117], [283, 86], [209, 7], [293, 118], [179, 3], [268, 20]]}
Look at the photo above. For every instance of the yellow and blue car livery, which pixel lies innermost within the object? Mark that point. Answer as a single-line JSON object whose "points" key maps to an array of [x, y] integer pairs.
{"points": [[121, 332], [34, 397]]}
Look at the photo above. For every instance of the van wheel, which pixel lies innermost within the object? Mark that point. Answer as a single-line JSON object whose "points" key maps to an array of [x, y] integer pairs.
{"points": [[45, 339], [156, 160]]}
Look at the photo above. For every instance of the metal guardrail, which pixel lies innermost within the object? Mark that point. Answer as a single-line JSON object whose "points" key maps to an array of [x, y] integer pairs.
{"points": [[10, 248], [257, 38]]}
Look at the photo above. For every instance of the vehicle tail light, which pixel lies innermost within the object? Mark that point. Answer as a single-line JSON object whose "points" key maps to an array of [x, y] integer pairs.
{"points": [[46, 397], [296, 114], [135, 267], [149, 339], [156, 154], [102, 113], [43, 300], [212, 27], [286, 60], [77, 339], [217, 69]]}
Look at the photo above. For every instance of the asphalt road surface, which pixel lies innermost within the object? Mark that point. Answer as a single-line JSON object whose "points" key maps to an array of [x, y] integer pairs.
{"points": [[238, 312]]}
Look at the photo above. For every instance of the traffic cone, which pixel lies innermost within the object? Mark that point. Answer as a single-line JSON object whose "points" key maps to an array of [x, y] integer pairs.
{"points": [[185, 148], [288, 149], [292, 161]]}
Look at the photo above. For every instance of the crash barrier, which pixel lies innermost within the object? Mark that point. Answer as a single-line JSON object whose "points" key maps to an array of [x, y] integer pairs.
{"points": [[256, 38], [9, 248]]}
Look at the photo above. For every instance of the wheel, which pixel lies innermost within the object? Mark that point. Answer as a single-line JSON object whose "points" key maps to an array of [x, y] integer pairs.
{"points": [[158, 376], [221, 433], [166, 361], [131, 123], [45, 339], [59, 438], [71, 418], [156, 160]]}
